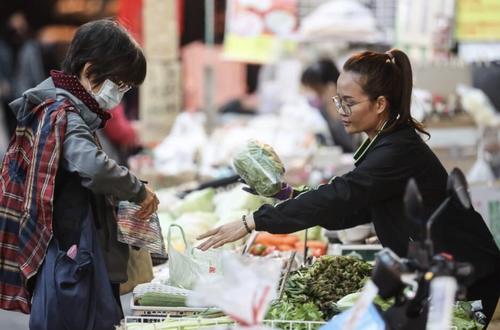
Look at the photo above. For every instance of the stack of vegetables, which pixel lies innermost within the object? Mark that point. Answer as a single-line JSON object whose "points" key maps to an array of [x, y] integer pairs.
{"points": [[203, 210], [310, 293], [332, 285], [266, 243]]}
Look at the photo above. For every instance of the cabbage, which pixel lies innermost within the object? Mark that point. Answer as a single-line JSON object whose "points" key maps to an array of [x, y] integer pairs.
{"points": [[195, 224], [236, 199], [348, 301], [197, 201], [167, 198], [313, 234], [260, 167], [165, 221]]}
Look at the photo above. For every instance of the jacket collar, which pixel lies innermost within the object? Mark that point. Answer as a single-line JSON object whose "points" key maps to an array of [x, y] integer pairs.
{"points": [[363, 149]]}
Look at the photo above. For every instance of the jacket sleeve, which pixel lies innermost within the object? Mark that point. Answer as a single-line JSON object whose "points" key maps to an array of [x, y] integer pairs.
{"points": [[99, 173], [344, 202]]}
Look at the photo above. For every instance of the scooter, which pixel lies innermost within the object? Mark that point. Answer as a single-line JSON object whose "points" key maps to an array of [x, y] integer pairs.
{"points": [[424, 285]]}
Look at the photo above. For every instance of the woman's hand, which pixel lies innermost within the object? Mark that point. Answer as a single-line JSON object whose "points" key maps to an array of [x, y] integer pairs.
{"points": [[149, 205], [227, 233]]}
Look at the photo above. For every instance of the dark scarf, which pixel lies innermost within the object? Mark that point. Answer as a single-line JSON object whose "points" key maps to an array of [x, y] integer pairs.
{"points": [[73, 85]]}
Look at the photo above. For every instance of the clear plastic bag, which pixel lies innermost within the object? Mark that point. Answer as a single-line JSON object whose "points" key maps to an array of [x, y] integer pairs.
{"points": [[261, 168], [137, 232], [187, 267], [253, 281]]}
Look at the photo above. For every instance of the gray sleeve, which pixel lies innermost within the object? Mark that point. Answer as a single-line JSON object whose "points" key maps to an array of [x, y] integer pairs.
{"points": [[99, 173]]}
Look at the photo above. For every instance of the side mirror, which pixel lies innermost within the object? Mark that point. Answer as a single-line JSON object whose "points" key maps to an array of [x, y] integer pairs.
{"points": [[413, 203], [458, 189]]}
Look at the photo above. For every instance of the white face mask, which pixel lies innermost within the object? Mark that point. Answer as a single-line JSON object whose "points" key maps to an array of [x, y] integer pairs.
{"points": [[109, 95]]}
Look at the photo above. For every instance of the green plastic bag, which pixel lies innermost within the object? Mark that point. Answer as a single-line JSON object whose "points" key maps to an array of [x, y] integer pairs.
{"points": [[260, 167], [186, 267]]}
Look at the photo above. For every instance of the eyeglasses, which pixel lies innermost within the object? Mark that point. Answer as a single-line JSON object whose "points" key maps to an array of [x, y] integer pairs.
{"points": [[344, 108], [122, 87]]}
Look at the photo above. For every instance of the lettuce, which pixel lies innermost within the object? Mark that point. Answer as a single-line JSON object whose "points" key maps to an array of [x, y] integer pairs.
{"points": [[197, 201], [260, 167]]}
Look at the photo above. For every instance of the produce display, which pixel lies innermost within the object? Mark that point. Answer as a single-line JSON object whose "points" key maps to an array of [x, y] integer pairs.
{"points": [[260, 167], [324, 283], [289, 312], [200, 211], [185, 324], [463, 317]]}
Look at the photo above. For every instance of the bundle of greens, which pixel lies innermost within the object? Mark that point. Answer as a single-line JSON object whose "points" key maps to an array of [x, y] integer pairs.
{"points": [[329, 279], [463, 317], [294, 312], [260, 167]]}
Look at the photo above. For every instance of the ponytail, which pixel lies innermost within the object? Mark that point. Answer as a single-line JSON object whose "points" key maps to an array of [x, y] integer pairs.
{"points": [[401, 60]]}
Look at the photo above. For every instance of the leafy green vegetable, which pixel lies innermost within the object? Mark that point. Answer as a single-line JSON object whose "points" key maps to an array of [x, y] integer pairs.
{"points": [[463, 317], [348, 301], [294, 312], [198, 201], [260, 167], [328, 280]]}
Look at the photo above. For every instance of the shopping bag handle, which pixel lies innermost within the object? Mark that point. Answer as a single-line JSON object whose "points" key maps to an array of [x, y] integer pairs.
{"points": [[186, 245]]}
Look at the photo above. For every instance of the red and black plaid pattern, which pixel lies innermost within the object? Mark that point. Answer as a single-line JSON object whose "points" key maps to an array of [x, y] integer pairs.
{"points": [[27, 182]]}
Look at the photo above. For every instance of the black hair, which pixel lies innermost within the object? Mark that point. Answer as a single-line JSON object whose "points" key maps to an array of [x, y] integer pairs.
{"points": [[390, 75], [111, 51], [320, 73]]}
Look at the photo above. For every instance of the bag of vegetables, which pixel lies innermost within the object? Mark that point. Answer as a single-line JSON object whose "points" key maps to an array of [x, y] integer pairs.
{"points": [[259, 165]]}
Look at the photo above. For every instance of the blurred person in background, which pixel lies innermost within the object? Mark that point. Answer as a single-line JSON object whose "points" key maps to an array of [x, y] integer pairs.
{"points": [[120, 137], [320, 82], [374, 96], [73, 181], [14, 35]]}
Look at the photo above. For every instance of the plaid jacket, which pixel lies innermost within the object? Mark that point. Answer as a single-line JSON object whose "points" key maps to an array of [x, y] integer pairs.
{"points": [[27, 183]]}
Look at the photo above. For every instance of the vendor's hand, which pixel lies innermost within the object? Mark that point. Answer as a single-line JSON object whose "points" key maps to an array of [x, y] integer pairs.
{"points": [[227, 233], [247, 187], [285, 193], [149, 205]]}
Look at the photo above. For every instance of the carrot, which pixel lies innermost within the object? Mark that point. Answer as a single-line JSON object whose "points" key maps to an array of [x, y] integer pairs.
{"points": [[285, 247], [312, 245], [317, 248], [276, 240]]}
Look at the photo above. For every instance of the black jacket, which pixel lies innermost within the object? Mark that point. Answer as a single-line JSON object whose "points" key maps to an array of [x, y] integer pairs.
{"points": [[373, 192]]}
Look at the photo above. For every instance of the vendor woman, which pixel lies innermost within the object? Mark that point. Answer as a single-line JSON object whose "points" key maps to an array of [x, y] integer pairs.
{"points": [[373, 96]]}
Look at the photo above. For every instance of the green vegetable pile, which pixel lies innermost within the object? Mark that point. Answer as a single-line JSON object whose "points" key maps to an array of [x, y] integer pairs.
{"points": [[463, 317], [294, 312], [324, 283], [260, 167]]}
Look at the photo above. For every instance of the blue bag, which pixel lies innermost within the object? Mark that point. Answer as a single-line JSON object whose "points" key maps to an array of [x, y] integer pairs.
{"points": [[370, 320], [74, 294]]}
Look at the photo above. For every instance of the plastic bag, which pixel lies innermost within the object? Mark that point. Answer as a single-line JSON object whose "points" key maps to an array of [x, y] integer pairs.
{"points": [[371, 320], [137, 232], [253, 281], [481, 171], [260, 167], [187, 267]]}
